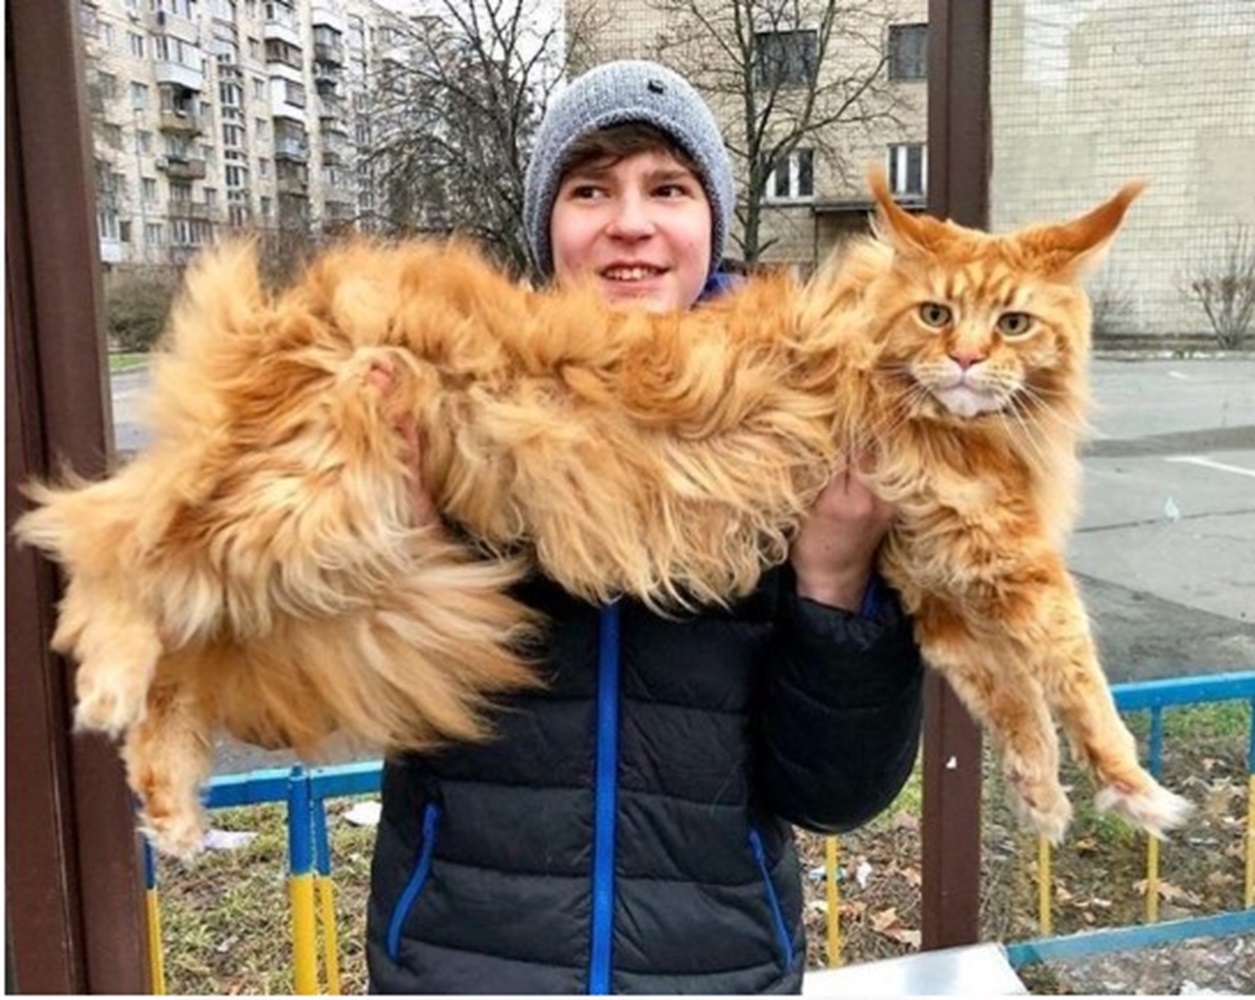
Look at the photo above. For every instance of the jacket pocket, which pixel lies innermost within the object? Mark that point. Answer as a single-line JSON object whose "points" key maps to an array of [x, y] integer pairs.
{"points": [[414, 887], [784, 940]]}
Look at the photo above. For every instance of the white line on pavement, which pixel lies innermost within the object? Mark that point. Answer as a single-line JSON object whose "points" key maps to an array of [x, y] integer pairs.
{"points": [[1208, 463]]}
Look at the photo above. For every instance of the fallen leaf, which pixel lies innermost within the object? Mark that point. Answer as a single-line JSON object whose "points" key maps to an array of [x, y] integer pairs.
{"points": [[885, 919]]}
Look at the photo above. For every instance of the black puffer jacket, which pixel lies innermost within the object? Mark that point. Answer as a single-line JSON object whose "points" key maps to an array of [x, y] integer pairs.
{"points": [[628, 831]]}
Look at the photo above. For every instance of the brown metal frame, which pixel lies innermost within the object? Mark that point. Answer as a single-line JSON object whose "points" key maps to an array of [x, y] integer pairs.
{"points": [[959, 154], [74, 890]]}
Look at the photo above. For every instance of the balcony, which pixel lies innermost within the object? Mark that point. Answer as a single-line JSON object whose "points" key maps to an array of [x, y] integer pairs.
{"points": [[178, 75], [287, 148], [162, 22], [181, 122], [197, 211], [335, 150], [179, 168], [331, 53], [282, 25], [323, 16], [294, 186]]}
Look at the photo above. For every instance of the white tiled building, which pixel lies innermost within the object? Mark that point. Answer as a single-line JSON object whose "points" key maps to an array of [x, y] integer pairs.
{"points": [[1089, 94]]}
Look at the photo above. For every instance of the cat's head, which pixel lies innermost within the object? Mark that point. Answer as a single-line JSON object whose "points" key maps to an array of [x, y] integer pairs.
{"points": [[978, 323]]}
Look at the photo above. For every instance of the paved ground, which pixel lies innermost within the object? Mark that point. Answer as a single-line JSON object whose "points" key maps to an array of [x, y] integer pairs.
{"points": [[1165, 548]]}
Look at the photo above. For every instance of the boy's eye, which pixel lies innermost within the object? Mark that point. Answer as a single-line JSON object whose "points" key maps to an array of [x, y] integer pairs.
{"points": [[584, 191]]}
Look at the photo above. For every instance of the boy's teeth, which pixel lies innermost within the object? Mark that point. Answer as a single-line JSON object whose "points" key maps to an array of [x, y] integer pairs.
{"points": [[630, 273]]}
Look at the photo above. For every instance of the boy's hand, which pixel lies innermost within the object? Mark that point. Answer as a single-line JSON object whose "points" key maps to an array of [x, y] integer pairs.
{"points": [[834, 552]]}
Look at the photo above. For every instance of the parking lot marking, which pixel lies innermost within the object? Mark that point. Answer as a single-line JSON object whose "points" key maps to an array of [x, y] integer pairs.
{"points": [[1208, 463]]}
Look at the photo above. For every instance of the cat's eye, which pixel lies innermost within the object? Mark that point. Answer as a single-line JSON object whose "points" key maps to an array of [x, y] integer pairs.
{"points": [[934, 314], [1014, 324]]}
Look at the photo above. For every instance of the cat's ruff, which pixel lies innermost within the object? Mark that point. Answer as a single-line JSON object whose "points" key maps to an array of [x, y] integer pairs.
{"points": [[257, 566]]}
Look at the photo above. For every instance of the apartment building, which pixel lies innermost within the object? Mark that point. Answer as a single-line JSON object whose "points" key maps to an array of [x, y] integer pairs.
{"points": [[210, 115], [1085, 95], [816, 195]]}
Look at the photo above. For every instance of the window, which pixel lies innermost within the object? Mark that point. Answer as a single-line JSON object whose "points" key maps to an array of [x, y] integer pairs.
{"points": [[294, 93], [113, 136], [107, 222], [237, 176], [262, 128], [908, 52], [108, 84], [106, 34], [793, 179], [181, 191], [153, 234], [211, 197], [144, 140], [908, 169], [89, 19], [232, 135], [259, 89], [139, 97], [267, 207], [137, 45], [150, 190], [786, 58], [263, 167]]}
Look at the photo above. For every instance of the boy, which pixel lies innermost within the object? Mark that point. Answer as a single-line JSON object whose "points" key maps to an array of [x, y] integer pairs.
{"points": [[628, 829]]}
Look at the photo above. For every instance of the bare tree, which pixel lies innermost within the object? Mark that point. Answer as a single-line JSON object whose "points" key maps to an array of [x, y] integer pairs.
{"points": [[456, 106], [784, 76], [1225, 288]]}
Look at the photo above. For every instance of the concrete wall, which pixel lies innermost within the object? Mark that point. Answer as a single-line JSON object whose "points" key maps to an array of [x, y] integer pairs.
{"points": [[1088, 94]]}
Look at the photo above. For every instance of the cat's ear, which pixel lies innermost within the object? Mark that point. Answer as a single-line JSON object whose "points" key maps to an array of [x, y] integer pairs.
{"points": [[1080, 246], [906, 233]]}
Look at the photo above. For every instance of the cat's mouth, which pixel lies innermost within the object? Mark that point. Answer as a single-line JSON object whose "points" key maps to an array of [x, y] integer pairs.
{"points": [[966, 400]]}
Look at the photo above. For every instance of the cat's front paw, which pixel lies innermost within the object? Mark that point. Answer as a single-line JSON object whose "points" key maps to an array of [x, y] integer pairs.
{"points": [[109, 700]]}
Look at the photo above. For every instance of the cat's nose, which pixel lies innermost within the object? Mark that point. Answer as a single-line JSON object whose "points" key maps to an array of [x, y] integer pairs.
{"points": [[965, 359]]}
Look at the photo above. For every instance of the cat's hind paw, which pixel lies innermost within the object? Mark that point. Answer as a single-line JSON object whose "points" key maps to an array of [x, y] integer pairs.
{"points": [[1155, 809], [1048, 816], [179, 834]]}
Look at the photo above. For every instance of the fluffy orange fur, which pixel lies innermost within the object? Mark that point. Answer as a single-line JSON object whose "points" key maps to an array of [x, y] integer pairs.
{"points": [[258, 567]]}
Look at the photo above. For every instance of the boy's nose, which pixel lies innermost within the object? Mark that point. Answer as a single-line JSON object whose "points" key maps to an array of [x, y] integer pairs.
{"points": [[631, 219]]}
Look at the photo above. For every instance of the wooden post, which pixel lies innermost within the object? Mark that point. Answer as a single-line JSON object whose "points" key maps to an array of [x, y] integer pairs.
{"points": [[959, 150], [75, 905]]}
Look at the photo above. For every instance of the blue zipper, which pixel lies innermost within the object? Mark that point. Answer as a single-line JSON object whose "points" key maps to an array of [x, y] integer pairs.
{"points": [[783, 938], [431, 813], [606, 800]]}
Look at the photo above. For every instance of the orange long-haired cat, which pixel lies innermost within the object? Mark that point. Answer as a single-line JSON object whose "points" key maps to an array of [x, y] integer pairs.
{"points": [[258, 566]]}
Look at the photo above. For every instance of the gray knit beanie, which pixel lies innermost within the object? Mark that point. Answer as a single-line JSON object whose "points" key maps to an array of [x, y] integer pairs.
{"points": [[614, 94]]}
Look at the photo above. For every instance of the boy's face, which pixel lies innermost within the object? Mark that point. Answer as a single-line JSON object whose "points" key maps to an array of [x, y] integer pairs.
{"points": [[640, 226]]}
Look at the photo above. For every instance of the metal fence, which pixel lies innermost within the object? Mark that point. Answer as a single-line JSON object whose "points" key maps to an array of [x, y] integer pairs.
{"points": [[311, 889]]}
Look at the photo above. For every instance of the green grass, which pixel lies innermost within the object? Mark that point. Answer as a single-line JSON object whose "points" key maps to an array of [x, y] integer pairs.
{"points": [[121, 361]]}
